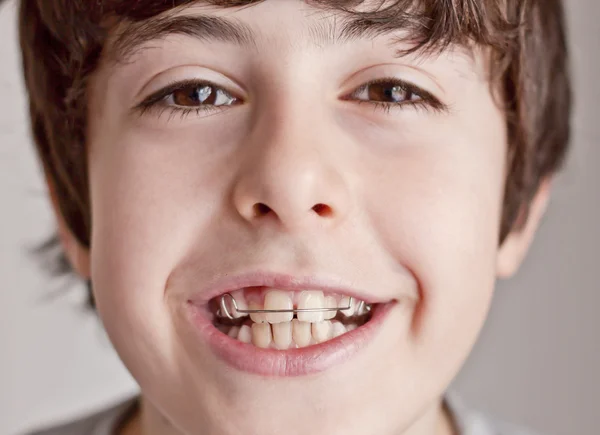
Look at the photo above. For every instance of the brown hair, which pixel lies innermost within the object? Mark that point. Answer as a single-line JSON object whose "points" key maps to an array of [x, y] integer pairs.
{"points": [[62, 42]]}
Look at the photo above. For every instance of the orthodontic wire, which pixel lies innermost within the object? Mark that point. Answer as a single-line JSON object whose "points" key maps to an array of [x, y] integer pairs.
{"points": [[224, 310]]}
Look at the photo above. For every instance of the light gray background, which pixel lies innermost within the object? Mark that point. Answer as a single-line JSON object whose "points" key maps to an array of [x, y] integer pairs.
{"points": [[536, 362]]}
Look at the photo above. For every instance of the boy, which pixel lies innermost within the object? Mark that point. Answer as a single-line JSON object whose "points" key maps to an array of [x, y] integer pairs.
{"points": [[292, 213]]}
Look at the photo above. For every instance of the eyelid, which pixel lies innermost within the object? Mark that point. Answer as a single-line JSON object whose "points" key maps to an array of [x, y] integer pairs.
{"points": [[169, 89], [426, 99], [189, 73], [411, 75], [406, 85]]}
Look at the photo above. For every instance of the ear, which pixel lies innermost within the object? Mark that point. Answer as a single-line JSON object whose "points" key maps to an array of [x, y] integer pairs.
{"points": [[512, 252], [77, 254]]}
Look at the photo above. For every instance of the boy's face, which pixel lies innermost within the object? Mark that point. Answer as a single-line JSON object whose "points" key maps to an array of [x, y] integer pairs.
{"points": [[294, 169]]}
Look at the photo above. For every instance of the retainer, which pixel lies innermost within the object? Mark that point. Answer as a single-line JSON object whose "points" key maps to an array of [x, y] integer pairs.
{"points": [[224, 311]]}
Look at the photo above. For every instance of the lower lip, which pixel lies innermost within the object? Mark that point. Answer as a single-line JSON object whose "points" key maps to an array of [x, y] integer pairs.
{"points": [[291, 362]]}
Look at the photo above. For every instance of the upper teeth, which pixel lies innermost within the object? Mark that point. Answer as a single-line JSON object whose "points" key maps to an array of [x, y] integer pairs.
{"points": [[278, 300], [319, 307], [309, 299]]}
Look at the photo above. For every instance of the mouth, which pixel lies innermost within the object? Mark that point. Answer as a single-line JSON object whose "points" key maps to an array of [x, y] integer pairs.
{"points": [[284, 331], [278, 319]]}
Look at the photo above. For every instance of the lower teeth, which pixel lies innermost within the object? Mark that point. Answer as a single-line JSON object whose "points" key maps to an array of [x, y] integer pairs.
{"points": [[289, 335]]}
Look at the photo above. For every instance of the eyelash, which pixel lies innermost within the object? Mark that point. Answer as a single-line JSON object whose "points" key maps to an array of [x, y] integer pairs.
{"points": [[425, 102], [156, 101]]}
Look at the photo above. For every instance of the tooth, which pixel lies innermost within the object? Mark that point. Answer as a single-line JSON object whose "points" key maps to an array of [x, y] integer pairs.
{"points": [[301, 333], [337, 329], [321, 331], [278, 300], [261, 335], [351, 327], [282, 335], [234, 331], [330, 302], [257, 317], [245, 334], [240, 301], [344, 303], [224, 306], [361, 308], [311, 299]]}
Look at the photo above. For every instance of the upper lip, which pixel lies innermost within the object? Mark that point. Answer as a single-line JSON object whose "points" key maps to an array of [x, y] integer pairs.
{"points": [[282, 281]]}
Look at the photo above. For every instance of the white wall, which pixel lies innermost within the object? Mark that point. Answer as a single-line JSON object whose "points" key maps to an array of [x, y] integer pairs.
{"points": [[537, 360]]}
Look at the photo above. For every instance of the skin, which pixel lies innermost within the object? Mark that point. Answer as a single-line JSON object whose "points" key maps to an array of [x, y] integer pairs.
{"points": [[413, 202]]}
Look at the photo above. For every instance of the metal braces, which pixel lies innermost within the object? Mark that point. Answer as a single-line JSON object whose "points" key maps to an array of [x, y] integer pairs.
{"points": [[361, 308]]}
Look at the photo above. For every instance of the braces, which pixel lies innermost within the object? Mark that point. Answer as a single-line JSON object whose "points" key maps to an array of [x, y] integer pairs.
{"points": [[361, 308]]}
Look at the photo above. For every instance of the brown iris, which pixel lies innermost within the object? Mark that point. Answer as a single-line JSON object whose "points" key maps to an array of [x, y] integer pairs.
{"points": [[386, 93], [195, 95]]}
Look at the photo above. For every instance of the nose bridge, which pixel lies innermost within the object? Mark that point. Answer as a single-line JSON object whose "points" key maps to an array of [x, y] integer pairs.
{"points": [[288, 173]]}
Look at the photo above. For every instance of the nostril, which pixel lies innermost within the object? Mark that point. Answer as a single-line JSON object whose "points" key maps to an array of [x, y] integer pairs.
{"points": [[323, 210], [261, 209]]}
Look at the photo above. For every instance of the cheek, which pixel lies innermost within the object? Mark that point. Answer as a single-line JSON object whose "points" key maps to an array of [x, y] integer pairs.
{"points": [[141, 230], [436, 208]]}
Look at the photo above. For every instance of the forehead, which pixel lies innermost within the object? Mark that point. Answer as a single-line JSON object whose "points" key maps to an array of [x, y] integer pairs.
{"points": [[271, 23]]}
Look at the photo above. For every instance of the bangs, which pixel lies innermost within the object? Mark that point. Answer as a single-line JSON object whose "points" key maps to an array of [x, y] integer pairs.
{"points": [[426, 24]]}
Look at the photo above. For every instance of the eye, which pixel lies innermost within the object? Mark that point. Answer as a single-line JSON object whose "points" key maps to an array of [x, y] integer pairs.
{"points": [[387, 93], [186, 97], [195, 95]]}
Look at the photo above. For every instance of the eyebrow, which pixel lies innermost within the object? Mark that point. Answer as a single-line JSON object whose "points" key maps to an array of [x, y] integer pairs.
{"points": [[208, 28]]}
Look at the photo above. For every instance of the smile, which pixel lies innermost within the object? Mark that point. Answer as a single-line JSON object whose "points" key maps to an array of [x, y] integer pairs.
{"points": [[277, 331], [280, 319]]}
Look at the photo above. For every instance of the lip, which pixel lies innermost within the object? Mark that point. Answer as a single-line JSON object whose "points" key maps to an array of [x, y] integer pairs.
{"points": [[283, 282], [286, 363]]}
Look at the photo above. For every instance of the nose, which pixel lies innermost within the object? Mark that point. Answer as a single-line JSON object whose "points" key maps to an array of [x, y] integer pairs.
{"points": [[290, 177]]}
